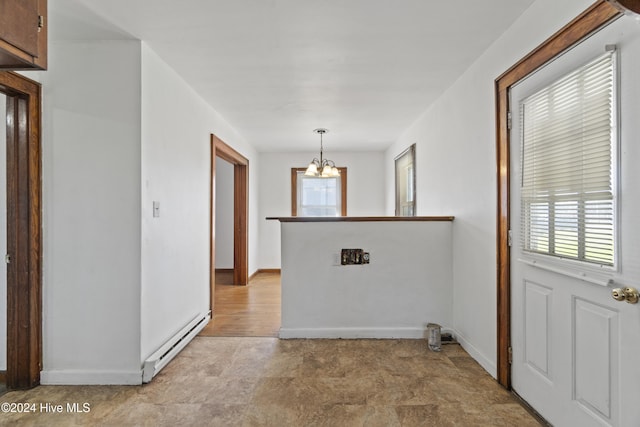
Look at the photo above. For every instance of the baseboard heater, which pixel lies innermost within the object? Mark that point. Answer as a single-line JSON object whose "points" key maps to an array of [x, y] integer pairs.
{"points": [[171, 348]]}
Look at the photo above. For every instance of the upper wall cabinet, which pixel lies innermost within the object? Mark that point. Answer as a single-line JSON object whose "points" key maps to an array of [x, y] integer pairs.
{"points": [[624, 5], [23, 34]]}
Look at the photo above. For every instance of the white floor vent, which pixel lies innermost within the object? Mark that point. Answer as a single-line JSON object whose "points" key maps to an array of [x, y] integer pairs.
{"points": [[171, 348]]}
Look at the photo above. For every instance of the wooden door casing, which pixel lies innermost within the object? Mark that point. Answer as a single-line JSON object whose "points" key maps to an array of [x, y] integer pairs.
{"points": [[24, 237], [240, 211]]}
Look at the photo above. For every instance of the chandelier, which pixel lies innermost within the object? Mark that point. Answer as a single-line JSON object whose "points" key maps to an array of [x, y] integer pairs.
{"points": [[323, 168]]}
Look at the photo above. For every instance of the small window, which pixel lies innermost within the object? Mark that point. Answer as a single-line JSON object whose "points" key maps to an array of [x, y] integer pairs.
{"points": [[313, 196], [568, 181], [406, 182]]}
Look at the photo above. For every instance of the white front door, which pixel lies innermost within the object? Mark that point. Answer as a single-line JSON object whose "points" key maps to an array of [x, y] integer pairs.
{"points": [[576, 350]]}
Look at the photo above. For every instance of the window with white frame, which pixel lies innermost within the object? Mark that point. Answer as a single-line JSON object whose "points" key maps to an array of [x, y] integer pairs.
{"points": [[568, 194], [314, 196]]}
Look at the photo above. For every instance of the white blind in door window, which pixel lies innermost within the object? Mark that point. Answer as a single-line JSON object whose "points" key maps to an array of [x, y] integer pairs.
{"points": [[567, 188]]}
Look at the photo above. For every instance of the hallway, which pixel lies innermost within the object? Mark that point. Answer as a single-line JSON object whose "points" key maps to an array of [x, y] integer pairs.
{"points": [[245, 311]]}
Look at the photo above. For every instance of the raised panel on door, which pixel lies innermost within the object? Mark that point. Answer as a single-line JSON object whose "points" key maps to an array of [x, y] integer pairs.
{"points": [[537, 306], [595, 354]]}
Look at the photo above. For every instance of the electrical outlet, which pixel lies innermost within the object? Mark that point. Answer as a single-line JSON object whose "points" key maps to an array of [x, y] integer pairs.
{"points": [[354, 257]]}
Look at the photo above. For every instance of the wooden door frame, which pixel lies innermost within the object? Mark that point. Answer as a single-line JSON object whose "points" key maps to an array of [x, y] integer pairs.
{"points": [[240, 212], [24, 237], [591, 20]]}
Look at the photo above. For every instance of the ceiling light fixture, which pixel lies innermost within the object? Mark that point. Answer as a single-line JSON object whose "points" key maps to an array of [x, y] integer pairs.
{"points": [[323, 168]]}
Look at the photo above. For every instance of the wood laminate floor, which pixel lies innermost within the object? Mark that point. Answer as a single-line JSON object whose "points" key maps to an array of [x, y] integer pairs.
{"points": [[245, 311]]}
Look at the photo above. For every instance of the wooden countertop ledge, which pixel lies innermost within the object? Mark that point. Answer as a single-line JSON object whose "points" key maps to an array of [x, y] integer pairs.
{"points": [[359, 218]]}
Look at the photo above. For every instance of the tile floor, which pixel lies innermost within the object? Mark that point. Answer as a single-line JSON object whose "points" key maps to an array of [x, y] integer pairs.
{"points": [[219, 381]]}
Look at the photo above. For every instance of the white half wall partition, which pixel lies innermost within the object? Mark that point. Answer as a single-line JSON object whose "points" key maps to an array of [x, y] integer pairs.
{"points": [[406, 284]]}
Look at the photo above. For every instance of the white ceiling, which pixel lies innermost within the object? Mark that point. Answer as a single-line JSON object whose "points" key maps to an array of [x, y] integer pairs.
{"points": [[277, 69]]}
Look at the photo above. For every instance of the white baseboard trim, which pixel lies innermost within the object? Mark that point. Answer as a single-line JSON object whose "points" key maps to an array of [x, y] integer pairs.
{"points": [[352, 333], [77, 377], [486, 363]]}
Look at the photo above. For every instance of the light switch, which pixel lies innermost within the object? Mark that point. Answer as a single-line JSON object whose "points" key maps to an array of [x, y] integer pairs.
{"points": [[156, 209], [336, 259]]}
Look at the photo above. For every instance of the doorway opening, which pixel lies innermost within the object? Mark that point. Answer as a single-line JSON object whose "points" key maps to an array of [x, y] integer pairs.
{"points": [[23, 256], [219, 149], [224, 221]]}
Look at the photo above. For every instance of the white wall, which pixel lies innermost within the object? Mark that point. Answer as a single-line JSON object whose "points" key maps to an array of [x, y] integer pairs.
{"points": [[456, 170], [120, 130], [91, 213], [3, 232], [407, 284], [176, 150], [224, 214], [365, 191]]}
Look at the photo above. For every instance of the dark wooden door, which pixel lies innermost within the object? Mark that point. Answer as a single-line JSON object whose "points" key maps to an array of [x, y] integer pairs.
{"points": [[24, 248]]}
